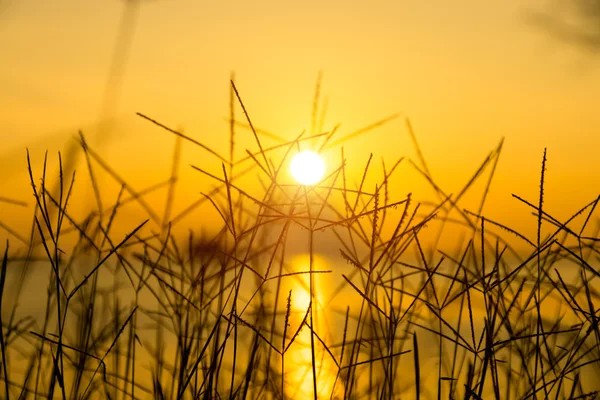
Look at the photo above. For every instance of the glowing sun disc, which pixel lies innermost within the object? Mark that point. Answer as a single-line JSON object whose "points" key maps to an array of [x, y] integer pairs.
{"points": [[307, 168]]}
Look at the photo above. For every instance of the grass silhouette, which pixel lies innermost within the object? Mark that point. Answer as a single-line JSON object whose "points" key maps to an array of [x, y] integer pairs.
{"points": [[227, 315]]}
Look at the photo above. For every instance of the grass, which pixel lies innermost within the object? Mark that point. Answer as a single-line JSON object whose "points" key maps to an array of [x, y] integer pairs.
{"points": [[234, 314]]}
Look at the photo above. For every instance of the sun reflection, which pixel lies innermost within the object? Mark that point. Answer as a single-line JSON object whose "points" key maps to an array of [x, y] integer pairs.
{"points": [[301, 298], [299, 376], [298, 367]]}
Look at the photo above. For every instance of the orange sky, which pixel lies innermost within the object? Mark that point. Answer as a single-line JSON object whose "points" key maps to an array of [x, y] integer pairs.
{"points": [[466, 74]]}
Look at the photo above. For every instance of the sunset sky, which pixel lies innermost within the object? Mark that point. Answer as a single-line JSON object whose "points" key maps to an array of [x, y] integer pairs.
{"points": [[466, 73]]}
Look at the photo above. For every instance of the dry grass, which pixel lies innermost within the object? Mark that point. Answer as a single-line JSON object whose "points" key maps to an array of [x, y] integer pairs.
{"points": [[153, 316]]}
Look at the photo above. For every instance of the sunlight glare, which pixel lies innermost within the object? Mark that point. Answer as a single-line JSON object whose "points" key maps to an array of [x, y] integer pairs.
{"points": [[307, 168]]}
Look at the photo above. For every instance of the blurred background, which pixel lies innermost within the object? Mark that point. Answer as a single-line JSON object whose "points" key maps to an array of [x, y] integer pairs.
{"points": [[467, 74]]}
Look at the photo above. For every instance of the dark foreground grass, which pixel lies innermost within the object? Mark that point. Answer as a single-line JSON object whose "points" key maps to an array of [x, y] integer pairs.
{"points": [[229, 315]]}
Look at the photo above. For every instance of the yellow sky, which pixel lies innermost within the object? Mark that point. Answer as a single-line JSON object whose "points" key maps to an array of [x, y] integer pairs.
{"points": [[466, 73]]}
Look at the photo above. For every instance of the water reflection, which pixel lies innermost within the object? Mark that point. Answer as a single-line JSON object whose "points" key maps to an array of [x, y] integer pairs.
{"points": [[298, 374]]}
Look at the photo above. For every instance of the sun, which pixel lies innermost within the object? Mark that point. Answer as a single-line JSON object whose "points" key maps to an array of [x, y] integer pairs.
{"points": [[307, 168]]}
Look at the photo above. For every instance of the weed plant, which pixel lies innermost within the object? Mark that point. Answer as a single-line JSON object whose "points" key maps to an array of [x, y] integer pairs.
{"points": [[229, 314]]}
